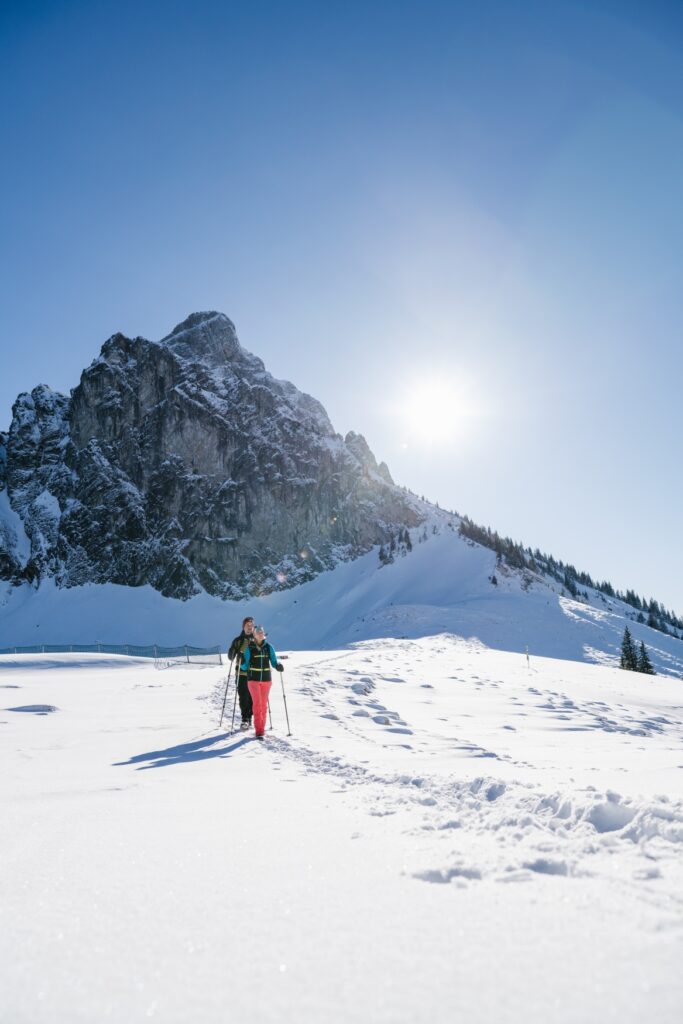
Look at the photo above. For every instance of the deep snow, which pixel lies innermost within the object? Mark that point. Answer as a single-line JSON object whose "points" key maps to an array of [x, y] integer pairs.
{"points": [[451, 833]]}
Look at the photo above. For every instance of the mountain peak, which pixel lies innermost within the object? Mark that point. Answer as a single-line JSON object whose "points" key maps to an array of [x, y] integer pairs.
{"points": [[209, 336], [197, 319]]}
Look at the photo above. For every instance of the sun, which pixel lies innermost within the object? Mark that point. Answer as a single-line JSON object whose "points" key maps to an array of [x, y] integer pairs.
{"points": [[437, 411]]}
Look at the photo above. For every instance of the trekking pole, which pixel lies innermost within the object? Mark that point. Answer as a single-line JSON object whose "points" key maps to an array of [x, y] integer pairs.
{"points": [[270, 716], [227, 684], [284, 697], [234, 703]]}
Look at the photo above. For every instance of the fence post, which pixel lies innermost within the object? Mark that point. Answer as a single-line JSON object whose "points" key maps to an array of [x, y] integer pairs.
{"points": [[187, 655]]}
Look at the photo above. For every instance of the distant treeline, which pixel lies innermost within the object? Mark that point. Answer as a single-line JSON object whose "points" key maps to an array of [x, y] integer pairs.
{"points": [[650, 612]]}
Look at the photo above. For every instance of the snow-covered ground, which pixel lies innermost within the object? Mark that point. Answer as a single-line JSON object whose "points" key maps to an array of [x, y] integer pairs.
{"points": [[450, 834], [443, 585]]}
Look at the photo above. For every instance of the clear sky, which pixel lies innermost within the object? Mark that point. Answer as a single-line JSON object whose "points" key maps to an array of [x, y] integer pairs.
{"points": [[459, 225]]}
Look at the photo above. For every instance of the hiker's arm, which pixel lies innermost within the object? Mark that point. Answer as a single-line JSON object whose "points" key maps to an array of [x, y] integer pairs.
{"points": [[278, 666]]}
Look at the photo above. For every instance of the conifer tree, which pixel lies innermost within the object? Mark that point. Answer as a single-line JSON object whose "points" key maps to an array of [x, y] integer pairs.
{"points": [[629, 657], [644, 663]]}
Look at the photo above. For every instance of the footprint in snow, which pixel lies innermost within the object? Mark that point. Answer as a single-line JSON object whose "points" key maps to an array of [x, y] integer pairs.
{"points": [[452, 823], [361, 688], [646, 874], [546, 866], [444, 877]]}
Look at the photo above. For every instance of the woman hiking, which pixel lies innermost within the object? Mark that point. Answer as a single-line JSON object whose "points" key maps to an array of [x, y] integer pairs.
{"points": [[236, 650], [258, 658]]}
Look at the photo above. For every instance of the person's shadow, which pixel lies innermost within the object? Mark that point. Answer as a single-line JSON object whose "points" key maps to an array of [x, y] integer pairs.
{"points": [[185, 752]]}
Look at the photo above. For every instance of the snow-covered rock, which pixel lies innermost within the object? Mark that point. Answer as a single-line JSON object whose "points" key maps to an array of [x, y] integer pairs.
{"points": [[185, 465]]}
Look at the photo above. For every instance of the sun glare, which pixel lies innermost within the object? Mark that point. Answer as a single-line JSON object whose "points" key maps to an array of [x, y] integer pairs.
{"points": [[438, 411]]}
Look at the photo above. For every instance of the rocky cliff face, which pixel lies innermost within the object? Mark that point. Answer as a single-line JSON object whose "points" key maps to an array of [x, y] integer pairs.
{"points": [[184, 464]]}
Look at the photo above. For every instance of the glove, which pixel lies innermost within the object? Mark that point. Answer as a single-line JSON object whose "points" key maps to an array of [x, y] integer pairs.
{"points": [[280, 667]]}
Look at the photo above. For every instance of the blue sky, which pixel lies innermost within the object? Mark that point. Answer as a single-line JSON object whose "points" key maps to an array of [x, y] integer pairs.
{"points": [[458, 225]]}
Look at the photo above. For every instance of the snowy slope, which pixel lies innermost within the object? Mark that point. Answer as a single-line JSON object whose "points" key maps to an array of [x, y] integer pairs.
{"points": [[443, 585], [450, 834]]}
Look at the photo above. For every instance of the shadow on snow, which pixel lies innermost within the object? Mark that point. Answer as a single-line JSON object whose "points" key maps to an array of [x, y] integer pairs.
{"points": [[185, 752]]}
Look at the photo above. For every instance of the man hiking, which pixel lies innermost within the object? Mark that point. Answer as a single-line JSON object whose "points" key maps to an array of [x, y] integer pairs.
{"points": [[258, 658], [236, 650]]}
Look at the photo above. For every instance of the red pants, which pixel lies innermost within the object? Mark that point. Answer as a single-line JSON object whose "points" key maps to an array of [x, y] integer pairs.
{"points": [[259, 695]]}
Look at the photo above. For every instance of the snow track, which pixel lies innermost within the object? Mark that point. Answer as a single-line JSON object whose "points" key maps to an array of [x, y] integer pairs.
{"points": [[441, 808], [571, 831]]}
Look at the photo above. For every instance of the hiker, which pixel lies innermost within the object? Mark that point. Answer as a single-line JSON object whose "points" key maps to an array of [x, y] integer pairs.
{"points": [[236, 650], [258, 658]]}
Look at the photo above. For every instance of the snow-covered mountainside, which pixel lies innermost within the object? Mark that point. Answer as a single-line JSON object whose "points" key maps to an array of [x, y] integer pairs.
{"points": [[180, 487], [443, 584], [449, 835], [183, 464]]}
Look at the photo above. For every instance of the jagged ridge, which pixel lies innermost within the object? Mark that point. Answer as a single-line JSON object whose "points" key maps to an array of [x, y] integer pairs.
{"points": [[184, 464]]}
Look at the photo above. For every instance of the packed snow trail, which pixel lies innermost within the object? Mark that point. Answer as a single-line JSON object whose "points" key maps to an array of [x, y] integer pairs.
{"points": [[449, 834]]}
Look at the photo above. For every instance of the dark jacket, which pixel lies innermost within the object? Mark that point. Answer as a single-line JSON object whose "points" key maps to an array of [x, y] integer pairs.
{"points": [[237, 649], [257, 661]]}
